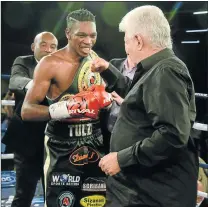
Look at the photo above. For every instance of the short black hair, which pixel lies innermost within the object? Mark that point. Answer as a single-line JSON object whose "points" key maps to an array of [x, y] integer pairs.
{"points": [[81, 15]]}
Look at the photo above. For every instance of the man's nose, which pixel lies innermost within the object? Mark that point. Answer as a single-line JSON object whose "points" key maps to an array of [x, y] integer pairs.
{"points": [[87, 40], [48, 49]]}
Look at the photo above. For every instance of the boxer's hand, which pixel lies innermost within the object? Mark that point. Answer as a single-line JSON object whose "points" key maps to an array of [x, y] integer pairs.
{"points": [[99, 65], [104, 98], [84, 104]]}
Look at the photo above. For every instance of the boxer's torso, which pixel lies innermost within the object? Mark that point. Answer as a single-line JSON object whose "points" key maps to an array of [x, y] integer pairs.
{"points": [[73, 147], [70, 75], [69, 80]]}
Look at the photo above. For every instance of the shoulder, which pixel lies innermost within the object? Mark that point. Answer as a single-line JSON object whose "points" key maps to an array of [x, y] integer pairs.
{"points": [[51, 59], [50, 62], [24, 59], [173, 63], [172, 66], [117, 62], [167, 73]]}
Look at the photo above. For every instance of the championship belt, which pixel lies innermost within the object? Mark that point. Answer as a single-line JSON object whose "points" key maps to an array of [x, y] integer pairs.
{"points": [[86, 77]]}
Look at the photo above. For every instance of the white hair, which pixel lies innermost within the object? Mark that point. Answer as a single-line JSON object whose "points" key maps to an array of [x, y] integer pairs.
{"points": [[150, 22]]}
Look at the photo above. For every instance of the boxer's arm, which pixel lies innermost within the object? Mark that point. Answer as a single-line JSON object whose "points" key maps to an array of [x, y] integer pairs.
{"points": [[167, 103], [20, 76], [32, 109], [84, 104]]}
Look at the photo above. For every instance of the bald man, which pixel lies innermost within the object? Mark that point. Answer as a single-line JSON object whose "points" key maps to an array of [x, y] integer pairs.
{"points": [[26, 138]]}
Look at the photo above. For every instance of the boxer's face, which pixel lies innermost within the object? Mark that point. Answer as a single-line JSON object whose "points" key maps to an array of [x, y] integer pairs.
{"points": [[44, 45], [82, 37]]}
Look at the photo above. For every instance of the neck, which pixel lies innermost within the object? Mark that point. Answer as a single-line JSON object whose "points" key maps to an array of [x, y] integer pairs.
{"points": [[149, 52], [130, 64], [72, 53]]}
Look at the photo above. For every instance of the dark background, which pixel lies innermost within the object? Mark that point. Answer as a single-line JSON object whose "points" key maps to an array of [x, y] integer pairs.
{"points": [[21, 21]]}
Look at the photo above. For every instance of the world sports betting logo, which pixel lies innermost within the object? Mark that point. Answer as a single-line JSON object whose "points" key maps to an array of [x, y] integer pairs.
{"points": [[64, 179]]}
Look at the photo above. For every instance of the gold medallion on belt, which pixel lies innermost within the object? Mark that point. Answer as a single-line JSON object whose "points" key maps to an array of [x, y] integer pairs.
{"points": [[87, 78]]}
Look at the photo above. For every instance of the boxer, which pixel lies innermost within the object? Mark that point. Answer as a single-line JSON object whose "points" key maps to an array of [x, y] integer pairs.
{"points": [[73, 141]]}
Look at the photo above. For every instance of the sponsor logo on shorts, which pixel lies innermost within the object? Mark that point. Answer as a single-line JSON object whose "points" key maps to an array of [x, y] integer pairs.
{"points": [[64, 179], [8, 178], [93, 201], [66, 199], [94, 184], [84, 155]]}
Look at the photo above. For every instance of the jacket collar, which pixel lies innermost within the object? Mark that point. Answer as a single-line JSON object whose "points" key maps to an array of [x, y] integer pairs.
{"points": [[149, 62]]}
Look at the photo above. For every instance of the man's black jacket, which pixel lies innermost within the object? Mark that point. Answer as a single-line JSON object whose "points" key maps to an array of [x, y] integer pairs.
{"points": [[24, 137], [158, 161]]}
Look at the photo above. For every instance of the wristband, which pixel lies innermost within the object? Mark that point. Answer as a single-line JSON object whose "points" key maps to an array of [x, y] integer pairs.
{"points": [[59, 110]]}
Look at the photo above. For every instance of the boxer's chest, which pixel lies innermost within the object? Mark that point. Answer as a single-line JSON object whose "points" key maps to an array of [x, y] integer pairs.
{"points": [[72, 79]]}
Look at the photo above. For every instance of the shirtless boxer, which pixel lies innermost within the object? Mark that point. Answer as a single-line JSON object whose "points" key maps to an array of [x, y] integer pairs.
{"points": [[73, 141]]}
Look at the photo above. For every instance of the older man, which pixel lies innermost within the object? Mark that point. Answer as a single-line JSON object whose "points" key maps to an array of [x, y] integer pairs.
{"points": [[153, 161]]}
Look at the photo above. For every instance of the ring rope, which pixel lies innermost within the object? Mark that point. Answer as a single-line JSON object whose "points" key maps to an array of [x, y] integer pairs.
{"points": [[198, 126], [7, 156], [203, 165]]}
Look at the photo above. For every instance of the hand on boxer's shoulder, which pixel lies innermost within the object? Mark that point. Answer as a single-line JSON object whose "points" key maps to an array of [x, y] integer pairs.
{"points": [[99, 65]]}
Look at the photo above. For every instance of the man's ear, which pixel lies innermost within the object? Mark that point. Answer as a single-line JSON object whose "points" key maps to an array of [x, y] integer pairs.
{"points": [[33, 47], [140, 41], [67, 32]]}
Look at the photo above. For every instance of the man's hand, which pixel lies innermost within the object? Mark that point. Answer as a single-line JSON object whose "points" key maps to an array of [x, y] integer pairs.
{"points": [[99, 65], [117, 98], [109, 164]]}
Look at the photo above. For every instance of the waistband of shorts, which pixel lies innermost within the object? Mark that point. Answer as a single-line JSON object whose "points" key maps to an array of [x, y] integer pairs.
{"points": [[61, 129]]}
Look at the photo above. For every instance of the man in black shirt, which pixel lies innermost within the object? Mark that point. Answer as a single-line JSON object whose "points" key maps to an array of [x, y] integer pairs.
{"points": [[153, 161]]}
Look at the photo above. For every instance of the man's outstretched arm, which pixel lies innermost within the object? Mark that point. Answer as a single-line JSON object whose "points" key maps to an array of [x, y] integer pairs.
{"points": [[114, 79]]}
